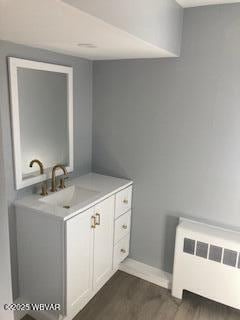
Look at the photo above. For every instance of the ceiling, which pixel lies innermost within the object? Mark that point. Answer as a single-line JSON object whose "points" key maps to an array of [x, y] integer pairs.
{"points": [[57, 26], [196, 3]]}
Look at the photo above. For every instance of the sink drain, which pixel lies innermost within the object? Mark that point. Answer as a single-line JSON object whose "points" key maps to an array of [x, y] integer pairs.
{"points": [[66, 207]]}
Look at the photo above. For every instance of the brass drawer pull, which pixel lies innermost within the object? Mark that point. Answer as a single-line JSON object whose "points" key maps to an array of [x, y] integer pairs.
{"points": [[98, 219], [124, 226], [125, 201], [123, 251], [93, 224]]}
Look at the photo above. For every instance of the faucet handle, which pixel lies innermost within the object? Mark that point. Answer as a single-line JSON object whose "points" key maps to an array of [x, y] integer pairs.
{"points": [[44, 189], [62, 183]]}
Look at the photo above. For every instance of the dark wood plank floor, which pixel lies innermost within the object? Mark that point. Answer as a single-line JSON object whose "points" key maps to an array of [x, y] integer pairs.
{"points": [[126, 297]]}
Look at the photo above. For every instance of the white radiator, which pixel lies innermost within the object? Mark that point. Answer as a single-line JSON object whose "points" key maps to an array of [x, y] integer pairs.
{"points": [[207, 262]]}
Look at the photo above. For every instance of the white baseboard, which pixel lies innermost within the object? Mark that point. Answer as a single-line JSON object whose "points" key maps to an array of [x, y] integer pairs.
{"points": [[146, 272]]}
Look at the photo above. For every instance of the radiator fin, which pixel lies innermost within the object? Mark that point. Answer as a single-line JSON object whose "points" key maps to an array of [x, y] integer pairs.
{"points": [[215, 253], [230, 257], [218, 254], [189, 246], [202, 249]]}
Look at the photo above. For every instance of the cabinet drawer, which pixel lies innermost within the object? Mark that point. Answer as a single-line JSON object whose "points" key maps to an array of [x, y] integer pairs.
{"points": [[123, 201], [122, 226], [121, 251]]}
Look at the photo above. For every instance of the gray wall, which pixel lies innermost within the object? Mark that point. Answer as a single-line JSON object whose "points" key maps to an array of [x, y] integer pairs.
{"points": [[82, 82], [5, 270], [173, 126]]}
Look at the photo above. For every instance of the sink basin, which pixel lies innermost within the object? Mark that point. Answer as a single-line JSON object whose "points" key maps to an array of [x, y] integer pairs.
{"points": [[69, 197]]}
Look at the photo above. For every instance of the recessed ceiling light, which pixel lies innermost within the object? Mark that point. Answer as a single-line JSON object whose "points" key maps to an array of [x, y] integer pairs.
{"points": [[87, 45]]}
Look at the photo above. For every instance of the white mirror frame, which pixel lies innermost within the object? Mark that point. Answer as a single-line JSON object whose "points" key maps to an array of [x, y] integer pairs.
{"points": [[14, 64]]}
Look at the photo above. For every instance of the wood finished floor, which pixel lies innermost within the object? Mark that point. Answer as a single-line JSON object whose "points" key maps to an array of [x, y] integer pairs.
{"points": [[126, 297]]}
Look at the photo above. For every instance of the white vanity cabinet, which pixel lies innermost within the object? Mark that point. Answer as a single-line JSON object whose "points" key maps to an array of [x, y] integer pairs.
{"points": [[89, 250], [65, 257], [123, 205], [103, 242], [79, 260]]}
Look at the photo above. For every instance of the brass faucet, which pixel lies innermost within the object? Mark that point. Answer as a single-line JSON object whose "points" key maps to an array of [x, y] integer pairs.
{"points": [[62, 185], [44, 184]]}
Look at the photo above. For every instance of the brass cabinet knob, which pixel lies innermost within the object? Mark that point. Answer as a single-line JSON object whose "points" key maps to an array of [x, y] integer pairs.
{"points": [[125, 201], [124, 226], [123, 251]]}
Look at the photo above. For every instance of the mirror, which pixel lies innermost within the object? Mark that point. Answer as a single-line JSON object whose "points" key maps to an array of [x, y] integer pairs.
{"points": [[42, 118]]}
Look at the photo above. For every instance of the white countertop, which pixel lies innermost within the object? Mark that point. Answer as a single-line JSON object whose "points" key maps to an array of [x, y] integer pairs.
{"points": [[104, 185]]}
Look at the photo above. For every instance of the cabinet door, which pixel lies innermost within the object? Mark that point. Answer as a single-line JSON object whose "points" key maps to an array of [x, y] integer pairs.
{"points": [[103, 242], [79, 260]]}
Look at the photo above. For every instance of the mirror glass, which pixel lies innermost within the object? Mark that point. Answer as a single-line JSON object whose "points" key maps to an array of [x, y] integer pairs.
{"points": [[43, 114], [42, 118]]}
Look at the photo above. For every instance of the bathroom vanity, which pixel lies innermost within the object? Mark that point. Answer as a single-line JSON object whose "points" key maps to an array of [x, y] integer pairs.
{"points": [[72, 241]]}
